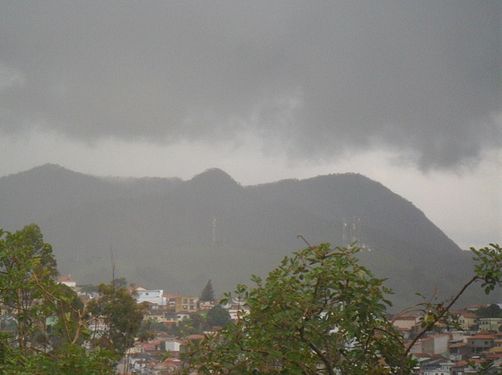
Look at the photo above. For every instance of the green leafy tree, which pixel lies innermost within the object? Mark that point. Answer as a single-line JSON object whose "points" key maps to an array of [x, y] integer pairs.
{"points": [[321, 312], [207, 294], [491, 311], [487, 272], [27, 268], [30, 295], [218, 317], [122, 316], [194, 324]]}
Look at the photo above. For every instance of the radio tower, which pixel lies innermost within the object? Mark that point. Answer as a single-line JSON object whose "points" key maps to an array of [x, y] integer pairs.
{"points": [[213, 231], [344, 232]]}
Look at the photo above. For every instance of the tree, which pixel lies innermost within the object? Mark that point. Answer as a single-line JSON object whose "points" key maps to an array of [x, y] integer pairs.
{"points": [[218, 317], [30, 295], [318, 312], [207, 294], [321, 312], [27, 268], [194, 324], [118, 309], [491, 311]]}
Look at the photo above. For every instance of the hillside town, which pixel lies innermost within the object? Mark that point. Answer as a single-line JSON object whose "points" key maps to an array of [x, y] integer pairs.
{"points": [[168, 325], [174, 320]]}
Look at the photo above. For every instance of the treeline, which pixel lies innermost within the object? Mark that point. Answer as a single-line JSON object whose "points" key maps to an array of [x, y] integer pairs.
{"points": [[46, 328]]}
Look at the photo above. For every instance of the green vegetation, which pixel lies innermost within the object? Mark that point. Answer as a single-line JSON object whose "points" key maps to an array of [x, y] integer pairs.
{"points": [[52, 333], [491, 311], [321, 312], [217, 317], [207, 294], [199, 322], [121, 315]]}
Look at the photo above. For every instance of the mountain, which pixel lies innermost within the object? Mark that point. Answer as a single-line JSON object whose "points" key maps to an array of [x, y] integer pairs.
{"points": [[175, 234]]}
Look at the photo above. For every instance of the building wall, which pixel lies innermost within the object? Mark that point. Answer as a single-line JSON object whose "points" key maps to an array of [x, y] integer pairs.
{"points": [[490, 324], [186, 303], [155, 296], [172, 346]]}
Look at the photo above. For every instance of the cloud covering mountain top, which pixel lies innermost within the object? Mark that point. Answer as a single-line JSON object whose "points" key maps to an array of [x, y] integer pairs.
{"points": [[312, 79]]}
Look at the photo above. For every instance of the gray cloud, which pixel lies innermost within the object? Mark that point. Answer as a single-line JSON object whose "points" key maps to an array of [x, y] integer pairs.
{"points": [[316, 78]]}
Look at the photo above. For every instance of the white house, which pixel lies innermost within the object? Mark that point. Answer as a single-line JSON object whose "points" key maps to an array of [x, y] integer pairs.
{"points": [[67, 280], [172, 345], [155, 296]]}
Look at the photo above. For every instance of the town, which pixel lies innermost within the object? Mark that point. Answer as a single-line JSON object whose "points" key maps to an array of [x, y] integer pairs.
{"points": [[171, 321]]}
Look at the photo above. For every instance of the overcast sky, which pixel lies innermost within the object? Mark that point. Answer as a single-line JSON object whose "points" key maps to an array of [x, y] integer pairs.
{"points": [[405, 92]]}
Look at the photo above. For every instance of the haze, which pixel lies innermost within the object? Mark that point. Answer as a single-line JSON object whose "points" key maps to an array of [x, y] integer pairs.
{"points": [[405, 92]]}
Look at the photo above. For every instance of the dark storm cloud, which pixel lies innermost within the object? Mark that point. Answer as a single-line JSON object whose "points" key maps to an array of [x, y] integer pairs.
{"points": [[314, 77]]}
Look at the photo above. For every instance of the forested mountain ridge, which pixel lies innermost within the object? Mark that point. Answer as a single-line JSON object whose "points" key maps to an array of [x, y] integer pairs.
{"points": [[175, 235]]}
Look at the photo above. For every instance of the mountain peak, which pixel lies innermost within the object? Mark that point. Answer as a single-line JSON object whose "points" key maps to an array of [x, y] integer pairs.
{"points": [[214, 175], [50, 167]]}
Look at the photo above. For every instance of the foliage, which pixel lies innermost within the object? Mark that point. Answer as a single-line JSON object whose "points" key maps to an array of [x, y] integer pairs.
{"points": [[487, 271], [118, 309], [488, 268], [149, 328], [199, 322], [217, 317], [28, 271], [207, 294], [194, 324], [50, 334], [491, 311], [88, 288], [319, 312], [69, 359]]}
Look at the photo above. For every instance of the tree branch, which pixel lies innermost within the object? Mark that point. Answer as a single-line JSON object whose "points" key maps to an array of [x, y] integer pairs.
{"points": [[443, 313]]}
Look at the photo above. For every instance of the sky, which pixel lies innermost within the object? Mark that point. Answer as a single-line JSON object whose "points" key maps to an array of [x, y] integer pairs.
{"points": [[405, 92]]}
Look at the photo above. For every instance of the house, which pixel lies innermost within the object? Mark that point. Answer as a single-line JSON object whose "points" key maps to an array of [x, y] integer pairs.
{"points": [[185, 304], [490, 324], [480, 342], [152, 345], [168, 366], [153, 296], [438, 367], [172, 345], [236, 309], [405, 322], [459, 350], [432, 344], [206, 305], [467, 319], [463, 368], [67, 280]]}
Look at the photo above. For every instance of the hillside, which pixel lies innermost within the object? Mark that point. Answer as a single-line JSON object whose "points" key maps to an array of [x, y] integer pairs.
{"points": [[174, 234]]}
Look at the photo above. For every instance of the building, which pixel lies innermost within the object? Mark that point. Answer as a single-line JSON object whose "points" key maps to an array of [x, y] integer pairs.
{"points": [[437, 367], [405, 322], [153, 296], [67, 280], [434, 344], [206, 305], [480, 343], [236, 309], [467, 319], [490, 324], [186, 304]]}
